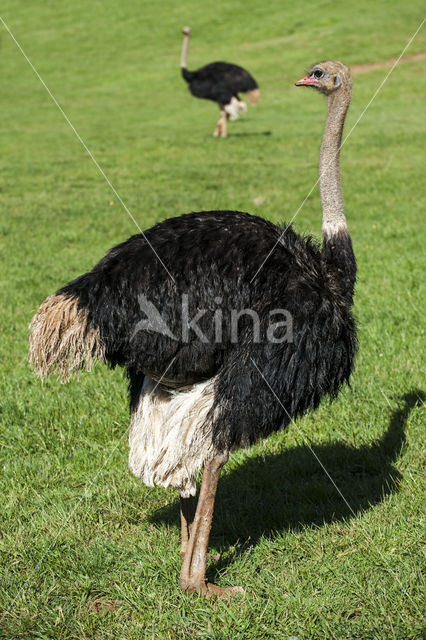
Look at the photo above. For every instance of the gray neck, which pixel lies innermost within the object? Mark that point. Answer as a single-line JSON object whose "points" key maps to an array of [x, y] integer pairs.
{"points": [[333, 218], [184, 51]]}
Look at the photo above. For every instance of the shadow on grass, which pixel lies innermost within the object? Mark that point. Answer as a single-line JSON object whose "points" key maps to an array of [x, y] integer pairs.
{"points": [[247, 134], [290, 490]]}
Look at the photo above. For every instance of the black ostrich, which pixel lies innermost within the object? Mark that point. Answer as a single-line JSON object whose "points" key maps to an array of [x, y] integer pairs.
{"points": [[210, 369], [220, 82]]}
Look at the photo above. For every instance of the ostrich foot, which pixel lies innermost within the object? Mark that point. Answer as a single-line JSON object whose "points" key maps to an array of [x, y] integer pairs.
{"points": [[219, 132], [221, 129], [209, 590], [213, 591]]}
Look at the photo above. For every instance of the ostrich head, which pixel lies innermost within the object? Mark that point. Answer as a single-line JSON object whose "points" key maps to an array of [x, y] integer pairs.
{"points": [[186, 31], [327, 77]]}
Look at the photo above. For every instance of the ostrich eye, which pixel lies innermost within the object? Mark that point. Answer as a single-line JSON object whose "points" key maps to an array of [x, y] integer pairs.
{"points": [[318, 73]]}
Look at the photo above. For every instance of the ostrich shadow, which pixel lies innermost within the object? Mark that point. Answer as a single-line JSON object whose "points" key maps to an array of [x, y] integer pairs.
{"points": [[291, 491], [246, 134]]}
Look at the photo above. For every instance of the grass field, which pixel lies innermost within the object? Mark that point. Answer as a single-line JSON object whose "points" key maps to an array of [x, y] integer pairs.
{"points": [[86, 551]]}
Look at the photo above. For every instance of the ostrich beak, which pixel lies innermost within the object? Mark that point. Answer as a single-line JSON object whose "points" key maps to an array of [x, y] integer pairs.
{"points": [[306, 81]]}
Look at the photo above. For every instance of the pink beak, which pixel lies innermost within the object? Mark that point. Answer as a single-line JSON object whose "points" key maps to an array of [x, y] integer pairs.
{"points": [[306, 81]]}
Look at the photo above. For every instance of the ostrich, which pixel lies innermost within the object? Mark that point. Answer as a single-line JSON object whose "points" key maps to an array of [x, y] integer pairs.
{"points": [[220, 82], [195, 396]]}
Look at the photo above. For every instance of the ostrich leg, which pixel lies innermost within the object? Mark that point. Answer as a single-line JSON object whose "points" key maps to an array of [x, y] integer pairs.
{"points": [[187, 514], [193, 574], [221, 130]]}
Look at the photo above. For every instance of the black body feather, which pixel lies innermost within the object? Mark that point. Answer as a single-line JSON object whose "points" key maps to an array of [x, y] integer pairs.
{"points": [[219, 82], [213, 257]]}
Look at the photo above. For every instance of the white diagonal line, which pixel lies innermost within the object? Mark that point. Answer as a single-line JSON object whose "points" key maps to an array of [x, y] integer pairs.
{"points": [[344, 141], [78, 501], [386, 564], [310, 448], [84, 145]]}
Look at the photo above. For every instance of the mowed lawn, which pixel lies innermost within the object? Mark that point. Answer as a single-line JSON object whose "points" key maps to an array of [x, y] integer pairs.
{"points": [[86, 550]]}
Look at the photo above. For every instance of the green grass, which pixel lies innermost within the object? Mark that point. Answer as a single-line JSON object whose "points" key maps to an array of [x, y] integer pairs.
{"points": [[75, 525]]}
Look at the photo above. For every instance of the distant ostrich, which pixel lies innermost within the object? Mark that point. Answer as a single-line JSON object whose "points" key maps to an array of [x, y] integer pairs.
{"points": [[220, 82], [193, 397]]}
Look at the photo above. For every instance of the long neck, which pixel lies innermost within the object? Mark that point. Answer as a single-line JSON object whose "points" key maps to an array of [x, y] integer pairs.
{"points": [[184, 55], [337, 249], [329, 166]]}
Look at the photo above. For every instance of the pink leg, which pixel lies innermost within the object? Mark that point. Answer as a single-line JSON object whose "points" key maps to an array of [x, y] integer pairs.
{"points": [[193, 574], [221, 126]]}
